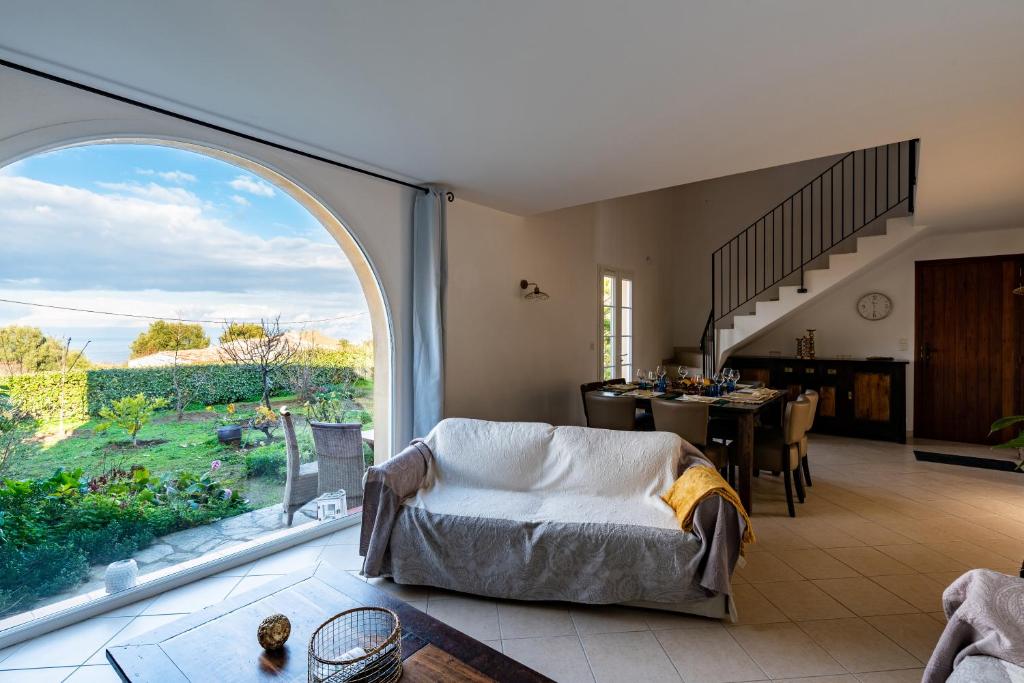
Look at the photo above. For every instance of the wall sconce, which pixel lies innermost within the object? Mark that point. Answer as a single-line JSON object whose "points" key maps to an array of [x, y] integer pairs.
{"points": [[535, 294]]}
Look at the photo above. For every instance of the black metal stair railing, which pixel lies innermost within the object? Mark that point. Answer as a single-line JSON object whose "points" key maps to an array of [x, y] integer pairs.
{"points": [[854, 192]]}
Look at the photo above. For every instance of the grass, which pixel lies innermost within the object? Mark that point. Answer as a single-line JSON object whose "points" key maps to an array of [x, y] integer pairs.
{"points": [[167, 445]]}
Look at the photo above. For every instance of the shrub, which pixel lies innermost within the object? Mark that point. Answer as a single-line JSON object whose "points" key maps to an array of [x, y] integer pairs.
{"points": [[264, 462], [131, 414], [214, 384]]}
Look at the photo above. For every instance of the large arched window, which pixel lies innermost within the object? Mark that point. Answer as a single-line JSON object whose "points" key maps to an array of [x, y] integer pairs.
{"points": [[162, 306]]}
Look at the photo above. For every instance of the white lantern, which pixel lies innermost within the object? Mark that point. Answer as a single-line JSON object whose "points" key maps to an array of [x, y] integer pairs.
{"points": [[121, 575], [331, 505]]}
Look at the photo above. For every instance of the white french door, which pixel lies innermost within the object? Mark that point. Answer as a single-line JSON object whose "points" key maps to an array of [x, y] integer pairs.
{"points": [[616, 331]]}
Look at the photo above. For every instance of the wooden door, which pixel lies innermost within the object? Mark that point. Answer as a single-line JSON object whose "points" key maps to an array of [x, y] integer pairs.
{"points": [[968, 369]]}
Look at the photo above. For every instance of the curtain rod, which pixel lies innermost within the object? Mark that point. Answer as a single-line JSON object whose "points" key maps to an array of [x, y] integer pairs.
{"points": [[204, 124]]}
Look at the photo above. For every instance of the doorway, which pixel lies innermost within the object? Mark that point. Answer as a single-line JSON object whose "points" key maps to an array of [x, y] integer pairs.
{"points": [[969, 368]]}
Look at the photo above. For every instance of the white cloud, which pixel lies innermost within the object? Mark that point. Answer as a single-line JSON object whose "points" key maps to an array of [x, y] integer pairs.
{"points": [[244, 183], [240, 200], [153, 238], [177, 177], [153, 192]]}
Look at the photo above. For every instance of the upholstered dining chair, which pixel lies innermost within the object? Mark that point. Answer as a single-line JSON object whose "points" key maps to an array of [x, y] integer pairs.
{"points": [[812, 397], [779, 451], [610, 412], [690, 420], [300, 485], [595, 386]]}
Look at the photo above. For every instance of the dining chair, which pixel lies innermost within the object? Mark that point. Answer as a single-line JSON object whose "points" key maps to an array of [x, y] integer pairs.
{"points": [[301, 480], [595, 386], [812, 396], [610, 412], [690, 420], [779, 450]]}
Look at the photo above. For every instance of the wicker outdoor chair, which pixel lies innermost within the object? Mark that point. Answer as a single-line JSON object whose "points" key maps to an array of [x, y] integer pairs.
{"points": [[300, 487], [339, 450]]}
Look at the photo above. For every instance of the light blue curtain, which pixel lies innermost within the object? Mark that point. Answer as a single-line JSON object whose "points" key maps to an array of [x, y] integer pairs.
{"points": [[429, 276]]}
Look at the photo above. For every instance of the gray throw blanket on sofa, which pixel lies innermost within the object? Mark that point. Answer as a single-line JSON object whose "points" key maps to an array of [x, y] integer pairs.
{"points": [[546, 556], [985, 616]]}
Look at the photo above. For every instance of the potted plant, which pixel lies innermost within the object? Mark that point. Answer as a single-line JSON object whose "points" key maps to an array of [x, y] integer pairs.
{"points": [[229, 431]]}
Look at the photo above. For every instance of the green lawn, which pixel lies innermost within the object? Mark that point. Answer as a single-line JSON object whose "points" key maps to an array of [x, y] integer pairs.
{"points": [[167, 445]]}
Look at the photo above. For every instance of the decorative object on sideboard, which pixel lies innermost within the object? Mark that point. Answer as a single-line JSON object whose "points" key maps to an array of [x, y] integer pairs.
{"points": [[273, 632], [805, 346], [1016, 442], [121, 575], [874, 306], [1019, 289], [534, 294], [360, 644]]}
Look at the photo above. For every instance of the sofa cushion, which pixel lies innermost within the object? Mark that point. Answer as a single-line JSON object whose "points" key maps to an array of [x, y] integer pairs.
{"points": [[505, 456]]}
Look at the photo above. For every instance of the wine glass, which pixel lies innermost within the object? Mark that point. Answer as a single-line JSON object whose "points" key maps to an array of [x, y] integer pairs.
{"points": [[698, 379], [683, 373], [640, 377]]}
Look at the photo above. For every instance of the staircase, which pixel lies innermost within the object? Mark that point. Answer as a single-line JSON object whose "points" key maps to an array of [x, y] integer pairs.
{"points": [[846, 218]]}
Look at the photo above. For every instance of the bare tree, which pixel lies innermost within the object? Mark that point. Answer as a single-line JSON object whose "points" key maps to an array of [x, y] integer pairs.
{"points": [[181, 338], [268, 352]]}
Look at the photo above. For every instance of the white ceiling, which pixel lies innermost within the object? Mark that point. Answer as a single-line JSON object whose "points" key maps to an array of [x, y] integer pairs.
{"points": [[534, 105]]}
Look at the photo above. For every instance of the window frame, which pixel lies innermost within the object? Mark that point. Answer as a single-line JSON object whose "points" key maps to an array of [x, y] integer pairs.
{"points": [[623, 364]]}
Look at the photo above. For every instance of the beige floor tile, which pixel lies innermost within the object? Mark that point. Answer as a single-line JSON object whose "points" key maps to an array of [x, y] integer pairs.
{"points": [[944, 578], [477, 618], [870, 562], [247, 583], [922, 558], [495, 644], [533, 620], [915, 633], [766, 566], [342, 556], [816, 564], [858, 646], [841, 678], [97, 673], [923, 592], [802, 600], [659, 620], [976, 556], [194, 596], [864, 597], [48, 675], [608, 619], [287, 561], [901, 676], [69, 646], [754, 608], [618, 657], [708, 656], [136, 628], [400, 591], [938, 616], [785, 651], [559, 658]]}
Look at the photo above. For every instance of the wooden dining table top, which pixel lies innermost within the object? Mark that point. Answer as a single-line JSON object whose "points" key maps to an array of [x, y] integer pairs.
{"points": [[719, 405]]}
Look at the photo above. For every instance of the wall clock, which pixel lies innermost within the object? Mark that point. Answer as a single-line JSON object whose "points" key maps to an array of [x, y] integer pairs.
{"points": [[874, 306]]}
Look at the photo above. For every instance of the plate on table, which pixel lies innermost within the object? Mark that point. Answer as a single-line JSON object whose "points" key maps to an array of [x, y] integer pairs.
{"points": [[700, 399], [643, 393], [620, 387]]}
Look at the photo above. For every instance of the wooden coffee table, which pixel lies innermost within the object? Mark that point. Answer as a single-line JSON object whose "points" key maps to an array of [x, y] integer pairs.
{"points": [[219, 642]]}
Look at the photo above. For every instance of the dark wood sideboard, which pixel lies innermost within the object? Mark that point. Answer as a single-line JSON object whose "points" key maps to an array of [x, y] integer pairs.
{"points": [[860, 398]]}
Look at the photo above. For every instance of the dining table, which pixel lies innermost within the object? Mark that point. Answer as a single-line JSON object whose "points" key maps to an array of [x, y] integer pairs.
{"points": [[741, 408]]}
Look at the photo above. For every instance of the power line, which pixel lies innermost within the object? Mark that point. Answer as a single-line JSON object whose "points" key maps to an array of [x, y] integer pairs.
{"points": [[349, 316]]}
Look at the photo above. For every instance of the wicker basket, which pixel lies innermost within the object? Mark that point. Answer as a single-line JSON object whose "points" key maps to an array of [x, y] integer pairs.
{"points": [[361, 645]]}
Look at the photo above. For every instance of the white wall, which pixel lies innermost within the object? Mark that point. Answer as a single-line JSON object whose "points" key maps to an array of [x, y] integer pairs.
{"points": [[841, 330], [508, 358]]}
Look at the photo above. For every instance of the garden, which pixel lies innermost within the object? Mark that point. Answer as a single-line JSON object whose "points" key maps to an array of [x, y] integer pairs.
{"points": [[98, 464]]}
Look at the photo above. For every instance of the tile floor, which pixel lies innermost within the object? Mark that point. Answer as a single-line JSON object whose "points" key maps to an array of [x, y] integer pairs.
{"points": [[849, 591]]}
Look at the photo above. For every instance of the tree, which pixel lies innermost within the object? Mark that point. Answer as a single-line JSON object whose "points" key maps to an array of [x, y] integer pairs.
{"points": [[165, 336], [16, 426], [26, 349], [180, 337], [69, 360], [268, 352], [130, 413], [235, 331]]}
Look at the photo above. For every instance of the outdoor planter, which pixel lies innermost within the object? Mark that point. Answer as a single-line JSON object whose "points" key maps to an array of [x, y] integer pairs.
{"points": [[229, 434]]}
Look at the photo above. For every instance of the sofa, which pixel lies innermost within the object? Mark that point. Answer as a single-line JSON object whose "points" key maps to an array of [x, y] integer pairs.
{"points": [[529, 511]]}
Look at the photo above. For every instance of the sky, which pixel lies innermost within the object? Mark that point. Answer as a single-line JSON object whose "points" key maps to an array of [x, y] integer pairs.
{"points": [[165, 232]]}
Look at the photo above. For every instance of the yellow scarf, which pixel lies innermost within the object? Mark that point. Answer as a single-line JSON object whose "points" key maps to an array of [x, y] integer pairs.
{"points": [[698, 483]]}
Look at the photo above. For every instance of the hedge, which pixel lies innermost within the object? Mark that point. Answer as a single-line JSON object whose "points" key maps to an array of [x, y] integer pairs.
{"points": [[88, 391]]}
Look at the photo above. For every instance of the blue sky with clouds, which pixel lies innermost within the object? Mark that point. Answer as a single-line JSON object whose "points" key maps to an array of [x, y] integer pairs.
{"points": [[165, 232]]}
